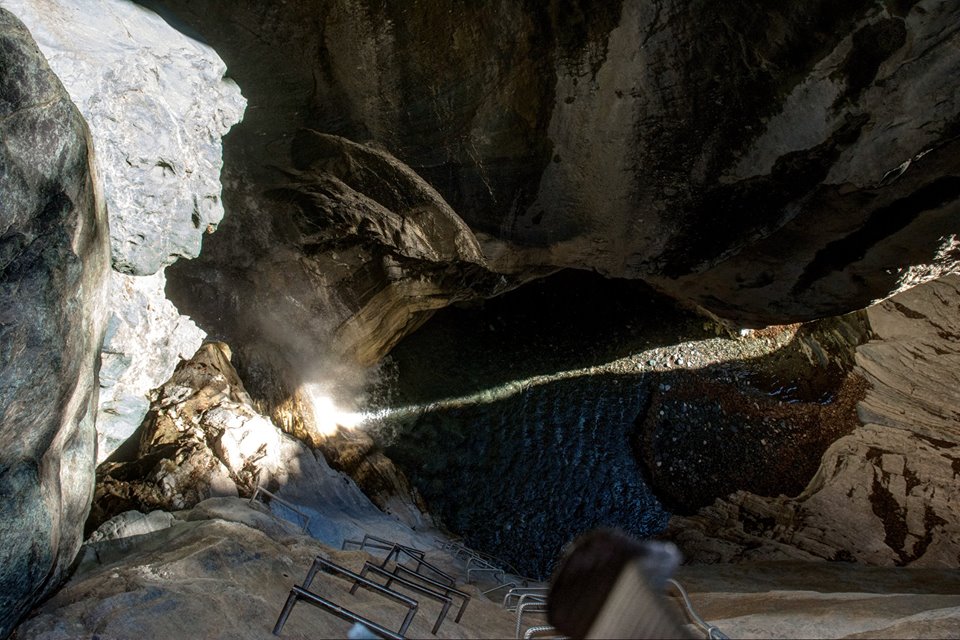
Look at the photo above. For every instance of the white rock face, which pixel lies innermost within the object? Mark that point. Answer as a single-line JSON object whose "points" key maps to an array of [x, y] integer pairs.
{"points": [[157, 104], [146, 338]]}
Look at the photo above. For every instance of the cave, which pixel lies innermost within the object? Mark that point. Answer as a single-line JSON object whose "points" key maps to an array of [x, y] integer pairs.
{"points": [[478, 279]]}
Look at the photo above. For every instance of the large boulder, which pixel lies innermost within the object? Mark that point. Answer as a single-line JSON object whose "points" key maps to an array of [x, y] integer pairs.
{"points": [[54, 265], [158, 104]]}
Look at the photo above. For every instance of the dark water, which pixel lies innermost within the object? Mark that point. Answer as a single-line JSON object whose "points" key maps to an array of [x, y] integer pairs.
{"points": [[533, 448], [521, 476], [523, 434]]}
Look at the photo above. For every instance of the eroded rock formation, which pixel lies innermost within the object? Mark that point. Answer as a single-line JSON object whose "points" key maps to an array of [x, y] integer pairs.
{"points": [[157, 105], [883, 494], [203, 438], [769, 164], [364, 250], [54, 265]]}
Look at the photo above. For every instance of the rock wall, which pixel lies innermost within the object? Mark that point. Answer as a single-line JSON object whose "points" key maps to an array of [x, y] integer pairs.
{"points": [[146, 338], [158, 105], [360, 252], [883, 494], [768, 164], [54, 266]]}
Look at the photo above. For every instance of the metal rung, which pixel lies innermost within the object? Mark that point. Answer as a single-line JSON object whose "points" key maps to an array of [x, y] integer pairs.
{"points": [[444, 600], [519, 592], [528, 607], [306, 519], [553, 633], [381, 543], [418, 558], [445, 589], [299, 593], [461, 550], [505, 585], [331, 567]]}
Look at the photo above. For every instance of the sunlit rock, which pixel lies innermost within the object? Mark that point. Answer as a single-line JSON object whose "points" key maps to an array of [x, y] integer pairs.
{"points": [[54, 266], [146, 338], [201, 439], [157, 104], [204, 438]]}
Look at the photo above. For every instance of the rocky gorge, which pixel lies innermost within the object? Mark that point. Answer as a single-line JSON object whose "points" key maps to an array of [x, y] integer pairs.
{"points": [[508, 271]]}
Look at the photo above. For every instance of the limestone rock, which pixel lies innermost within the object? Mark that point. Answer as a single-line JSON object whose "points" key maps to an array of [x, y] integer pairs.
{"points": [[54, 263], [158, 104], [131, 523], [255, 515], [882, 494], [202, 438], [146, 338], [367, 252], [361, 457], [791, 599]]}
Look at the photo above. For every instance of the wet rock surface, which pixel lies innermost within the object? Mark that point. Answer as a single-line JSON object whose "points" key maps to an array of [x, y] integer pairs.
{"points": [[54, 264], [521, 476], [758, 426]]}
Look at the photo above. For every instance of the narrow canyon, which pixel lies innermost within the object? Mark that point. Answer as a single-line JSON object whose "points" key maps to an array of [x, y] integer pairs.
{"points": [[316, 281]]}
